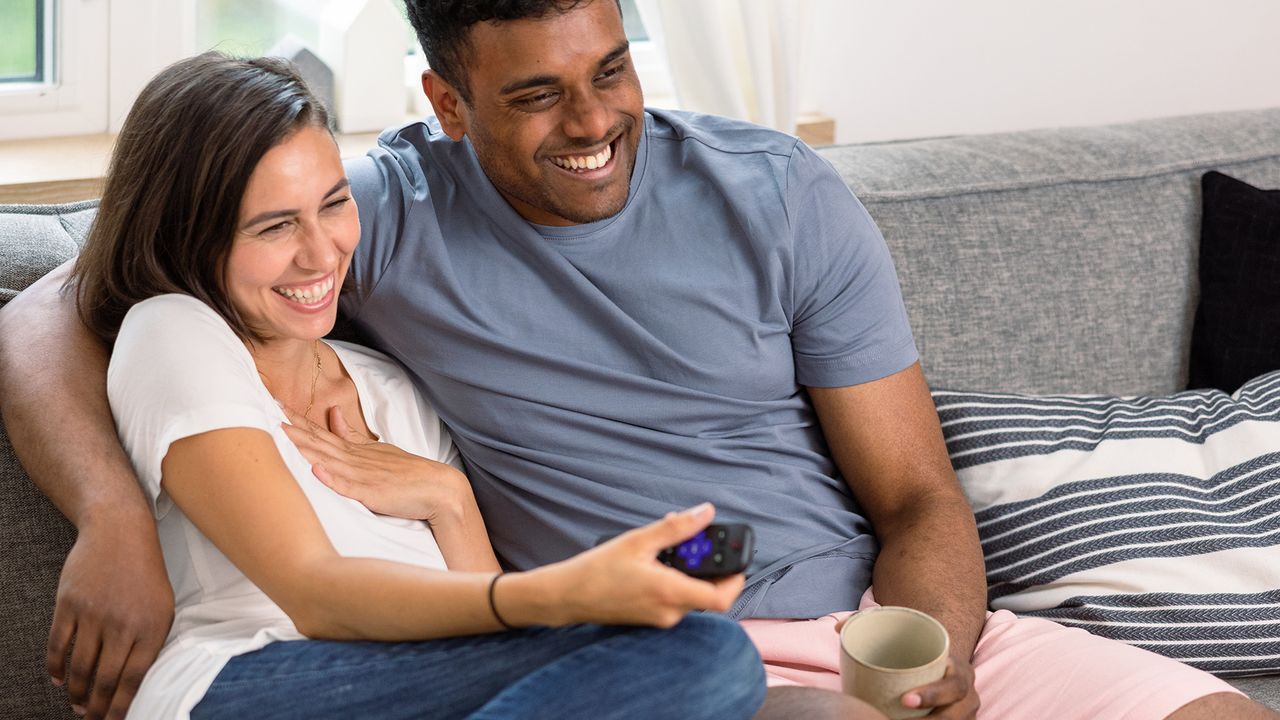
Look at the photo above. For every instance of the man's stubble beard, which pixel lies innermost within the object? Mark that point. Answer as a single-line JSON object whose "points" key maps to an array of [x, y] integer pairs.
{"points": [[537, 193]]}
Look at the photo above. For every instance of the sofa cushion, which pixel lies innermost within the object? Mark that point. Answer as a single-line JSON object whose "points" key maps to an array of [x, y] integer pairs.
{"points": [[1237, 328], [1150, 520], [35, 239]]}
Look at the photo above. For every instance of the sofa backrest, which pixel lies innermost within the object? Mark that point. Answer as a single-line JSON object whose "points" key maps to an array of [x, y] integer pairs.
{"points": [[1056, 260]]}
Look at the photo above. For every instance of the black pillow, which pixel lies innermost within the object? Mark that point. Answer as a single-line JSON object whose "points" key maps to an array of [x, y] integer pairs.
{"points": [[1237, 327]]}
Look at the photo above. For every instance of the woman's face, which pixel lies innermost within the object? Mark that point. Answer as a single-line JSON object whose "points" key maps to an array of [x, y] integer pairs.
{"points": [[297, 229]]}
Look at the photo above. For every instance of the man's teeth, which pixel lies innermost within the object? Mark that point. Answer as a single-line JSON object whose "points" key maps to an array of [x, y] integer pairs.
{"points": [[309, 294], [585, 162]]}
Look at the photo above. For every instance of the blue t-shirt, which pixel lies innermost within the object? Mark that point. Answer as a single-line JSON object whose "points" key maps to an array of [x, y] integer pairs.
{"points": [[598, 376]]}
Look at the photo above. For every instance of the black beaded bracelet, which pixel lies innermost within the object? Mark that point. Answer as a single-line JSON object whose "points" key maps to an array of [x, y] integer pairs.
{"points": [[493, 607]]}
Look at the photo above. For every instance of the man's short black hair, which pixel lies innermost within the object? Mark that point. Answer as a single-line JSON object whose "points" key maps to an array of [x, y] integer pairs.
{"points": [[442, 27]]}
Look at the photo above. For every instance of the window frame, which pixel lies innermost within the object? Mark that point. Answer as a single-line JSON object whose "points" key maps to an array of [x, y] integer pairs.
{"points": [[71, 99], [99, 54]]}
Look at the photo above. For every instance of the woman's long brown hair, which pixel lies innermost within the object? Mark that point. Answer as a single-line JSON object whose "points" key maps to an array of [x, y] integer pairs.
{"points": [[171, 204]]}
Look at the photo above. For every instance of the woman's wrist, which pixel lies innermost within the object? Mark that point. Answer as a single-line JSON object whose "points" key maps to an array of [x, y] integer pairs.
{"points": [[525, 599], [446, 498]]}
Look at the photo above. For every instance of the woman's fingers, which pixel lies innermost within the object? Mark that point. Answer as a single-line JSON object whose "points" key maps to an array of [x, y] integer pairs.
{"points": [[314, 446], [318, 432], [676, 527], [339, 426]]}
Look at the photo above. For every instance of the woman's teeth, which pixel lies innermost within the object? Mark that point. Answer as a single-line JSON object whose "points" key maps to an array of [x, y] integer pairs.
{"points": [[309, 294], [581, 163]]}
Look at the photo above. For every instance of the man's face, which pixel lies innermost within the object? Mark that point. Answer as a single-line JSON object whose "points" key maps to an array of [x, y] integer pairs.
{"points": [[556, 112]]}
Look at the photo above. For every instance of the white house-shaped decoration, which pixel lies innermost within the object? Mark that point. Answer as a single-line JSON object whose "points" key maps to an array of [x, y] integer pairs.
{"points": [[365, 43]]}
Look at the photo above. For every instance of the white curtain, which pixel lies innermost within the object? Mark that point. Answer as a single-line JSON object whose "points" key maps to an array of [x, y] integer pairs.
{"points": [[739, 58]]}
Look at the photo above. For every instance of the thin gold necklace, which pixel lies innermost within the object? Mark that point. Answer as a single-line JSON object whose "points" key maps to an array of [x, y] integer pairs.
{"points": [[315, 375]]}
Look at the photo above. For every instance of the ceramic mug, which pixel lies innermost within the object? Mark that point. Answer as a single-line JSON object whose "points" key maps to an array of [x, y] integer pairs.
{"points": [[887, 651]]}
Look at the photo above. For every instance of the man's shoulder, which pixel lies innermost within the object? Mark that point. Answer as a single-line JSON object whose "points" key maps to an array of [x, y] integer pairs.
{"points": [[718, 134], [411, 144]]}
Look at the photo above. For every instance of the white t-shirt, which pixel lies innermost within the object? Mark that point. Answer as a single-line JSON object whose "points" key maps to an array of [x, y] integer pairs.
{"points": [[178, 370]]}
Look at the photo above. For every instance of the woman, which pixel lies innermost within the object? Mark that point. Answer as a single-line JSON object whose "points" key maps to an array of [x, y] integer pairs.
{"points": [[219, 250]]}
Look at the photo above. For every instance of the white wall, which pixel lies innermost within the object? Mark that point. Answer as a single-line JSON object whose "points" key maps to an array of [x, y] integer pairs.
{"points": [[895, 69]]}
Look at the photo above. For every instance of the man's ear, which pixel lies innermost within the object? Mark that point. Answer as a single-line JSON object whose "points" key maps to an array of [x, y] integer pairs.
{"points": [[450, 108]]}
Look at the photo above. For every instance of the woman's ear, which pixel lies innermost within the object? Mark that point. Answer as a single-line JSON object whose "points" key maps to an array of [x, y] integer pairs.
{"points": [[450, 108]]}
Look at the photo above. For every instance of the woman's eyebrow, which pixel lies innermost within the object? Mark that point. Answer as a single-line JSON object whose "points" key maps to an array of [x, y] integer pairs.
{"points": [[273, 214]]}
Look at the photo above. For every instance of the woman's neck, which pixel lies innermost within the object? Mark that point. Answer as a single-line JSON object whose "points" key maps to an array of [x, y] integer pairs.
{"points": [[290, 369]]}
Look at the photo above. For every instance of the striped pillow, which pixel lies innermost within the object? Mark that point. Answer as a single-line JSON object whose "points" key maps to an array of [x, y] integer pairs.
{"points": [[1153, 521]]}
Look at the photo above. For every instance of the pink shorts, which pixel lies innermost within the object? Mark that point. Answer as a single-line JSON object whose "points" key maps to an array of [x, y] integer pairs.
{"points": [[1024, 668]]}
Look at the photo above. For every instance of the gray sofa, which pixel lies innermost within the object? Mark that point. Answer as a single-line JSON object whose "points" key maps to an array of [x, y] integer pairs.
{"points": [[1044, 261]]}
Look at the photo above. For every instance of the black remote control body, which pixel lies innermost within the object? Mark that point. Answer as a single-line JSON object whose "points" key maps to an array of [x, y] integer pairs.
{"points": [[718, 551]]}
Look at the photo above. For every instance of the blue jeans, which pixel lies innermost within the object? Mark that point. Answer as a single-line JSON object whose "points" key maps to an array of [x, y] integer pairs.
{"points": [[705, 667]]}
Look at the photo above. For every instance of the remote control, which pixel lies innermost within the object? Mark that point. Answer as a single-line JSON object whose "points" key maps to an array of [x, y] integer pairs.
{"points": [[717, 551]]}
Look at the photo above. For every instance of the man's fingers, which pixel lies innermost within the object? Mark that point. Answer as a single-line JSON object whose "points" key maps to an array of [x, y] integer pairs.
{"points": [[115, 651], [60, 633], [135, 668], [84, 655], [674, 528], [952, 688]]}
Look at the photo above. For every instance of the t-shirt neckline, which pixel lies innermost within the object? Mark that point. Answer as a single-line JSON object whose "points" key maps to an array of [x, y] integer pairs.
{"points": [[586, 231]]}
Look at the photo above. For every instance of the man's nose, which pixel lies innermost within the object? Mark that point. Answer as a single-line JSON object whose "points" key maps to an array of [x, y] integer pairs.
{"points": [[587, 116]]}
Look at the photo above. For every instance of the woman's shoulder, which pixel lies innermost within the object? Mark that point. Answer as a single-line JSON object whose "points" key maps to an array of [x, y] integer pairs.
{"points": [[176, 329], [174, 313]]}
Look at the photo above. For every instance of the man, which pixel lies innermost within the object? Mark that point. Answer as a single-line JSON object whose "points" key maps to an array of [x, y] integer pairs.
{"points": [[619, 313]]}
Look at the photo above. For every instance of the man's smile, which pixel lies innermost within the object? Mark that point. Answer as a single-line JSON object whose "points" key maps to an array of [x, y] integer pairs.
{"points": [[592, 165]]}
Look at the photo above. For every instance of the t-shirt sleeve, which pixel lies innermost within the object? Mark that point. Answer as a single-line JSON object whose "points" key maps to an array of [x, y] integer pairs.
{"points": [[381, 186], [177, 370], [849, 325]]}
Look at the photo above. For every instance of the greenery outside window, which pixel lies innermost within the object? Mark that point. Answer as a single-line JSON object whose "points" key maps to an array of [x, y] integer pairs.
{"points": [[25, 28]]}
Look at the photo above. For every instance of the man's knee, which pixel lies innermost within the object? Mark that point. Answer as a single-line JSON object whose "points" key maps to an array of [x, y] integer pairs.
{"points": [[1224, 705]]}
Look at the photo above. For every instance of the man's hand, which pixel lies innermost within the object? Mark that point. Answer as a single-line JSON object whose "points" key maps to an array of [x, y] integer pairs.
{"points": [[112, 622], [953, 697], [384, 478]]}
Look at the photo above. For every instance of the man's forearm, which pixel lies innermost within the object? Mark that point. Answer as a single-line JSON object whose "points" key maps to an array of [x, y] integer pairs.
{"points": [[53, 385], [930, 560]]}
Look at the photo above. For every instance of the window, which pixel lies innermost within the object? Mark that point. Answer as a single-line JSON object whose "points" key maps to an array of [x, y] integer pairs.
{"points": [[53, 68], [59, 75], [651, 66], [252, 27], [24, 41], [632, 22]]}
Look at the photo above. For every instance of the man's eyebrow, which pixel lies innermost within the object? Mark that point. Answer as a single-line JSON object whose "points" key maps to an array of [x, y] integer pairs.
{"points": [[616, 53], [540, 80], [273, 214]]}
